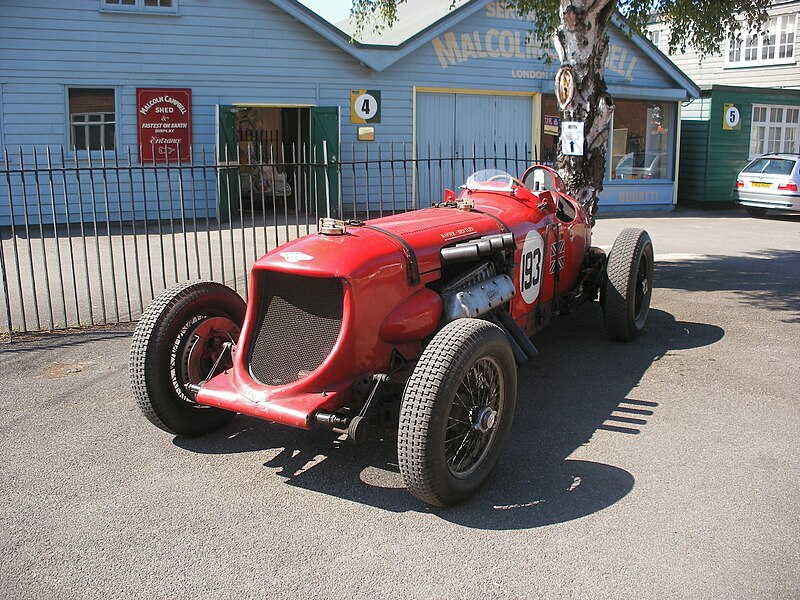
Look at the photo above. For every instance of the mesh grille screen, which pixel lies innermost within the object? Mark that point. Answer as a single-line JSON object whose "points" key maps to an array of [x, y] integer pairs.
{"points": [[298, 324]]}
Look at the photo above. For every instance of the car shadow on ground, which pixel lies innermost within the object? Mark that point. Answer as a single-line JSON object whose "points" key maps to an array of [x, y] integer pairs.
{"points": [[767, 279], [581, 383]]}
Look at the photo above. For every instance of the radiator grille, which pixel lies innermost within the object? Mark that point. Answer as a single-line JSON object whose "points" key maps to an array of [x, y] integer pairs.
{"points": [[298, 324]]}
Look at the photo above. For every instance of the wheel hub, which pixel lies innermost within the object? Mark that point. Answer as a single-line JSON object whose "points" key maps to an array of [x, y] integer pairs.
{"points": [[201, 347], [645, 285], [485, 419]]}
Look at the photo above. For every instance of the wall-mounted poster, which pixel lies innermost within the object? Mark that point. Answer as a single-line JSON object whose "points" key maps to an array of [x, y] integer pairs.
{"points": [[165, 124]]}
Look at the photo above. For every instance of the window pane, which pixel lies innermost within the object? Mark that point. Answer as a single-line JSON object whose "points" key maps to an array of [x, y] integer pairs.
{"points": [[790, 139], [751, 47], [78, 137], [108, 136], [774, 139], [94, 138], [768, 47], [757, 143], [640, 140], [735, 51], [89, 109]]}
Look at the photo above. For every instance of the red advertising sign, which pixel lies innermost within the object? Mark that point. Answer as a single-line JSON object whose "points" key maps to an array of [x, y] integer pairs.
{"points": [[165, 124]]}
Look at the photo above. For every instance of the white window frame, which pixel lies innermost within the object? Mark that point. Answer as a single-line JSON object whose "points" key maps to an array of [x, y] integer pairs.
{"points": [[86, 124], [752, 47], [138, 6], [772, 127]]}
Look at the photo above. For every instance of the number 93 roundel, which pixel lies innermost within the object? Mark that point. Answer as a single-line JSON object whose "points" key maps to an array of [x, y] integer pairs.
{"points": [[530, 267]]}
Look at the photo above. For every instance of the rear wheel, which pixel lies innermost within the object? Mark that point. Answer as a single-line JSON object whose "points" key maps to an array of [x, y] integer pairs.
{"points": [[628, 286], [755, 211], [178, 340], [456, 412]]}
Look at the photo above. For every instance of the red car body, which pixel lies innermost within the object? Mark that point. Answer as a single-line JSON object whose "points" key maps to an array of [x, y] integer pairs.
{"points": [[441, 301], [388, 309]]}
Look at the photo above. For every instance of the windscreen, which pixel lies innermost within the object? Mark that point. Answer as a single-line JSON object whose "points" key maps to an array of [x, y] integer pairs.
{"points": [[490, 180], [770, 166]]}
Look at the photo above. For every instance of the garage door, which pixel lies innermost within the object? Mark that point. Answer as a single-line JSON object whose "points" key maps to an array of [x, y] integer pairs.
{"points": [[456, 124]]}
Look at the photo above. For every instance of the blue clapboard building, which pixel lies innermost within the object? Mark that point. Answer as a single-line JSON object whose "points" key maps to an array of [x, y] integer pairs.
{"points": [[76, 79]]}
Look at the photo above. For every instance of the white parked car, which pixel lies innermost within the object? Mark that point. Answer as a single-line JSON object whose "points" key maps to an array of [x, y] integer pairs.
{"points": [[769, 182]]}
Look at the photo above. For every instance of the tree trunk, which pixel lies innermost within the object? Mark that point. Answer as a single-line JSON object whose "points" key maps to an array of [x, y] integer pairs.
{"points": [[582, 46]]}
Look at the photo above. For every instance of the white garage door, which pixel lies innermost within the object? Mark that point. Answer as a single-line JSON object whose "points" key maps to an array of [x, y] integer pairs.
{"points": [[497, 128]]}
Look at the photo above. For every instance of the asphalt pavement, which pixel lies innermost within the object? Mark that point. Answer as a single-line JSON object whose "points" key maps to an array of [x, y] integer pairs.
{"points": [[664, 468]]}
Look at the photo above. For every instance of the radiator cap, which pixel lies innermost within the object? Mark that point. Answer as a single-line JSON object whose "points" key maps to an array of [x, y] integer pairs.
{"points": [[328, 226]]}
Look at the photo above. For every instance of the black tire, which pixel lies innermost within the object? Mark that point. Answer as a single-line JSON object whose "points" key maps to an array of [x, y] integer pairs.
{"points": [[755, 211], [435, 405], [628, 286], [176, 343]]}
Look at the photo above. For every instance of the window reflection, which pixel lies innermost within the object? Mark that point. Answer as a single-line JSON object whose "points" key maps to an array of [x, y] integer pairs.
{"points": [[640, 140]]}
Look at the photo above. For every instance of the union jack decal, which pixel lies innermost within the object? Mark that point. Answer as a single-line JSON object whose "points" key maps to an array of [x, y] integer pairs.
{"points": [[556, 250]]}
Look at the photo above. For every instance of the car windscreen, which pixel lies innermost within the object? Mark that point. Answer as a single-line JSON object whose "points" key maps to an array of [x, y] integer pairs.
{"points": [[770, 166]]}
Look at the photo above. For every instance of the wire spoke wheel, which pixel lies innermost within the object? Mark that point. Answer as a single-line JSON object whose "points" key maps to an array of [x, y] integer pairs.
{"points": [[473, 416], [179, 340], [456, 412]]}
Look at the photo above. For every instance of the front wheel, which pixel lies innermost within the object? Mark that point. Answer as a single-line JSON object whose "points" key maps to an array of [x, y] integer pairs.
{"points": [[628, 285], [178, 341], [456, 412]]}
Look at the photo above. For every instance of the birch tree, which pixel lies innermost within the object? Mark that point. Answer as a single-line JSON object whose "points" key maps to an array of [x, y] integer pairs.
{"points": [[578, 30]]}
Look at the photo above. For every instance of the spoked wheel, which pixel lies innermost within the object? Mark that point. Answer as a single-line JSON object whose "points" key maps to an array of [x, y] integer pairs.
{"points": [[180, 339], [456, 412], [473, 414], [628, 286]]}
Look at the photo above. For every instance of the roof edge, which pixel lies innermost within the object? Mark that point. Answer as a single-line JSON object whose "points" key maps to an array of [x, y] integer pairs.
{"points": [[658, 57], [378, 57]]}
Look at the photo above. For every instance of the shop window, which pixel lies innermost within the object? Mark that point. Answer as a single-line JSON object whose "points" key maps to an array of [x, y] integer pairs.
{"points": [[92, 118], [772, 45], [155, 6], [641, 139], [774, 129]]}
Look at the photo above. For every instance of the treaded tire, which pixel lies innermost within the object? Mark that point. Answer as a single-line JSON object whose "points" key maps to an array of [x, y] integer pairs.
{"points": [[628, 286], [755, 211], [431, 399], [158, 384]]}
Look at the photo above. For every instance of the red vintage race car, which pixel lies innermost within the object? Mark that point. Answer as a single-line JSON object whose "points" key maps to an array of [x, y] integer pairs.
{"points": [[413, 323]]}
